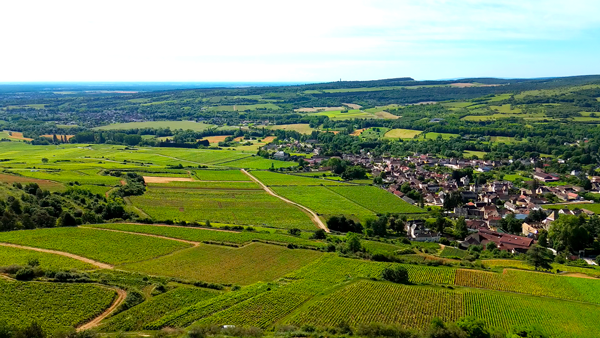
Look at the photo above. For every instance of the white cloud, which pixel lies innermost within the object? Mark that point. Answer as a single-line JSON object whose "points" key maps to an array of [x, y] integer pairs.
{"points": [[267, 40]]}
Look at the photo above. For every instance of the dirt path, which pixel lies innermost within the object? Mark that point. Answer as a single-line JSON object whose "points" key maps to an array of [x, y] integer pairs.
{"points": [[185, 227], [121, 295], [314, 216], [62, 253], [147, 235], [139, 211]]}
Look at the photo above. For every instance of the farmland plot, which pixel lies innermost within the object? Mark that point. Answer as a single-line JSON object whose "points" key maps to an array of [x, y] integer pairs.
{"points": [[324, 201], [105, 246], [245, 207], [156, 308], [212, 236], [53, 305], [376, 199], [367, 302], [274, 179], [221, 175], [212, 263], [16, 256]]}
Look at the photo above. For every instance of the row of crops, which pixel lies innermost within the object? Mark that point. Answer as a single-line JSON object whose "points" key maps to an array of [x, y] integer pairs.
{"points": [[205, 235], [156, 308], [532, 283], [54, 306]]}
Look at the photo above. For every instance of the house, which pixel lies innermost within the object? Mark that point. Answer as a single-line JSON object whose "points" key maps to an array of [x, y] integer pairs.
{"points": [[543, 177], [280, 155], [505, 242], [417, 231], [532, 229]]}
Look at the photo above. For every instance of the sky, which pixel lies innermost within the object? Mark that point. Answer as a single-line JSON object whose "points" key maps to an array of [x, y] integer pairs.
{"points": [[296, 41]]}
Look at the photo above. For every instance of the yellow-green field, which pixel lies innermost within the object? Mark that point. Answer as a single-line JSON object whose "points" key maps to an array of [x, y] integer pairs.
{"points": [[402, 133], [185, 125]]}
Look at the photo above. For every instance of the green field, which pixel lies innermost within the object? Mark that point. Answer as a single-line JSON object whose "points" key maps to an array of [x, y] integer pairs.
{"points": [[221, 175], [249, 264], [450, 252], [301, 128], [594, 207], [402, 133], [275, 179], [323, 201], [156, 308], [185, 125], [54, 306], [104, 246], [212, 236], [375, 199], [16, 256], [225, 206]]}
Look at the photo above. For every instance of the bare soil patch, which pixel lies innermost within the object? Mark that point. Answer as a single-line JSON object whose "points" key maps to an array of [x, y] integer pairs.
{"points": [[357, 132], [154, 179], [352, 105], [18, 135], [386, 115], [269, 139], [318, 109], [58, 136], [216, 139]]}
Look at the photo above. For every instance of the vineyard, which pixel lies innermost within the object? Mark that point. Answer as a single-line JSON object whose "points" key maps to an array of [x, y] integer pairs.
{"points": [[449, 252], [553, 317], [221, 175], [366, 302], [275, 179], [191, 314], [332, 270], [237, 185], [324, 201], [212, 263], [156, 308], [54, 306], [245, 207], [104, 246], [375, 199], [265, 309], [533, 283], [208, 235], [10, 256]]}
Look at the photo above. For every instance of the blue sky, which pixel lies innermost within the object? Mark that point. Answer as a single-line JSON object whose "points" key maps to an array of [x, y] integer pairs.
{"points": [[304, 41]]}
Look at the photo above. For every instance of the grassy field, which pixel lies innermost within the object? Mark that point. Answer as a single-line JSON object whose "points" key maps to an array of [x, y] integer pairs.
{"points": [[104, 246], [449, 252], [226, 206], [402, 133], [225, 185], [434, 136], [301, 128], [207, 235], [44, 184], [533, 283], [367, 302], [594, 207], [249, 264], [185, 125], [347, 114], [15, 256], [193, 313], [156, 308], [221, 175], [275, 179], [375, 199], [54, 306], [324, 201], [374, 133]]}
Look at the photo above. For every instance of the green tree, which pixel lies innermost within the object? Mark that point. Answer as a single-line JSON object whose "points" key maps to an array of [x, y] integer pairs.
{"points": [[396, 274], [539, 257], [569, 232], [460, 228], [543, 238], [511, 224], [353, 243]]}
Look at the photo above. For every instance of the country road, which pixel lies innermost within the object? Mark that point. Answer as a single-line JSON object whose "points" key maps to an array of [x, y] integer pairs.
{"points": [[314, 216], [121, 295], [62, 253]]}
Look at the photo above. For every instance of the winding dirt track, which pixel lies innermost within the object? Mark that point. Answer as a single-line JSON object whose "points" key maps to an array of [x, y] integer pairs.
{"points": [[147, 235], [314, 216], [66, 254], [121, 295]]}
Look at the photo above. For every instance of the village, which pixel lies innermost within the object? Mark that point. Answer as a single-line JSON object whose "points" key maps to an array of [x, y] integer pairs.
{"points": [[450, 185]]}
